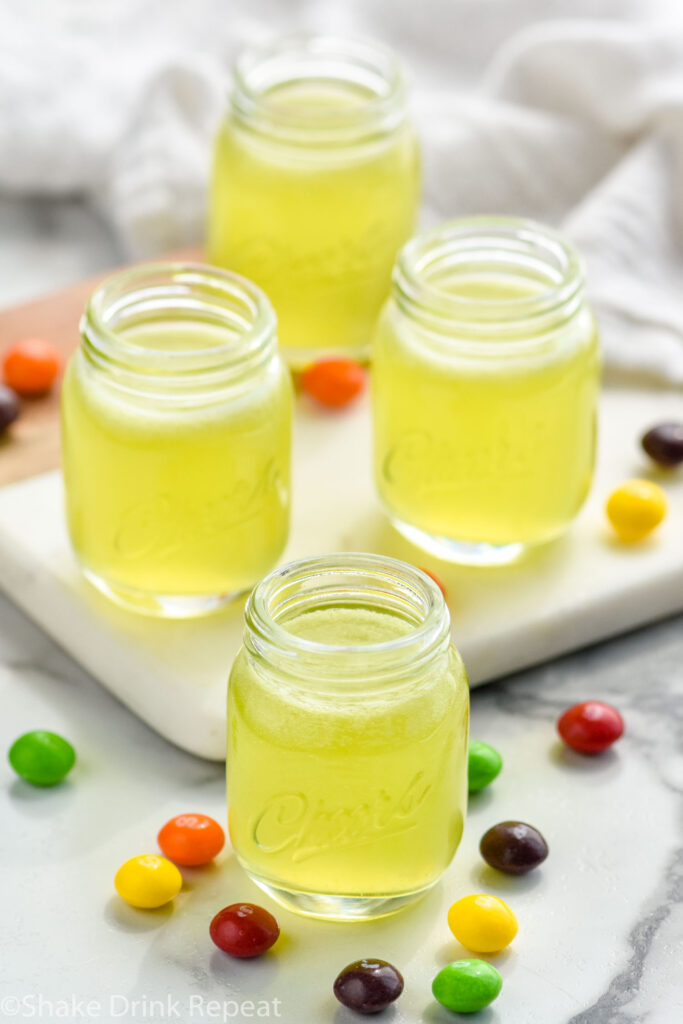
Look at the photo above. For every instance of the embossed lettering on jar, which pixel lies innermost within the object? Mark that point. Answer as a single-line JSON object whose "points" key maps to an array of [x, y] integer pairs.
{"points": [[347, 737], [485, 381], [176, 434], [315, 186]]}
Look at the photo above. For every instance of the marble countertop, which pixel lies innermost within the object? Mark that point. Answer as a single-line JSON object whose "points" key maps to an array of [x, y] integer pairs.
{"points": [[601, 924]]}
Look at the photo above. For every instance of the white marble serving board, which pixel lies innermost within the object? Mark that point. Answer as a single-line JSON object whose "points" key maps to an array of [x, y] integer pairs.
{"points": [[173, 674]]}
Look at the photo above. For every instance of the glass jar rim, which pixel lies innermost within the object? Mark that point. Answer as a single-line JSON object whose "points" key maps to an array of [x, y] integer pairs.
{"points": [[509, 244], [402, 584], [217, 297], [302, 57]]}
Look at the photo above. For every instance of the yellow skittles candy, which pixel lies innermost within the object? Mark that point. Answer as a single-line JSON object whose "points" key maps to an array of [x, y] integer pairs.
{"points": [[484, 924], [148, 881], [635, 509]]}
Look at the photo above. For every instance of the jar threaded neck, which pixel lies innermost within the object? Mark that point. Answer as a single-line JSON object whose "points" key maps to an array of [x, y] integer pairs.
{"points": [[363, 83], [347, 580], [233, 312], [430, 269]]}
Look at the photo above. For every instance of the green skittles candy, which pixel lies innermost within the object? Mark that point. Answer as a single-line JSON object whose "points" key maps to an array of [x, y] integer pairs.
{"points": [[483, 765], [466, 986], [42, 758]]}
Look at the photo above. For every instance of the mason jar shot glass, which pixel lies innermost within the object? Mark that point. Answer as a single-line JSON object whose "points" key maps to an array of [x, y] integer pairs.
{"points": [[315, 187], [176, 415], [347, 737], [486, 377]]}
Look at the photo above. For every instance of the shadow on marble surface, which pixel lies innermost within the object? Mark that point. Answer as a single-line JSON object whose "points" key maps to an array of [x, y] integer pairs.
{"points": [[40, 801], [437, 1014], [343, 1015], [125, 918], [228, 971], [571, 760], [478, 802], [454, 950], [487, 879]]}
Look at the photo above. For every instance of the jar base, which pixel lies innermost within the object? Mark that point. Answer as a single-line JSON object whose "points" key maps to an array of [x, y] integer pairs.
{"points": [[160, 606], [328, 907], [461, 552], [298, 359]]}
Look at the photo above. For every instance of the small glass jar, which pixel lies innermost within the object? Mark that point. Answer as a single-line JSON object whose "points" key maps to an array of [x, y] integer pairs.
{"points": [[486, 377], [315, 187], [176, 419], [347, 737]]}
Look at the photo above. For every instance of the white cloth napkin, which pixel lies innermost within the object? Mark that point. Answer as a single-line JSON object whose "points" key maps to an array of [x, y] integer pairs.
{"points": [[569, 111]]}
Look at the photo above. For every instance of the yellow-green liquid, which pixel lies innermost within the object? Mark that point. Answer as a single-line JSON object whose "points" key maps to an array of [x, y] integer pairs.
{"points": [[482, 448], [164, 500], [357, 794], [317, 227]]}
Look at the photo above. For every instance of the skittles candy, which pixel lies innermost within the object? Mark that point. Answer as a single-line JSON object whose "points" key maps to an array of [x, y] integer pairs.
{"points": [[466, 986], [482, 923], [635, 509], [368, 985], [9, 408], [664, 444], [333, 382], [148, 881], [513, 847], [484, 764], [191, 839], [31, 366], [590, 727], [244, 930], [41, 757]]}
